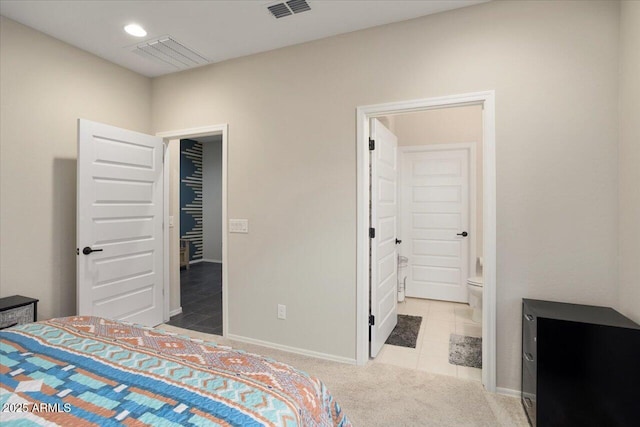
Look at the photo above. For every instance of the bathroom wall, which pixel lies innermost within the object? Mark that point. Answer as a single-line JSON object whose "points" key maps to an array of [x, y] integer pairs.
{"points": [[212, 199], [446, 126]]}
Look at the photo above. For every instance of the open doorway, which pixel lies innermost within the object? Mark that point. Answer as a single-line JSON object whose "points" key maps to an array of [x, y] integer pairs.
{"points": [[195, 194], [368, 307], [437, 159], [200, 244]]}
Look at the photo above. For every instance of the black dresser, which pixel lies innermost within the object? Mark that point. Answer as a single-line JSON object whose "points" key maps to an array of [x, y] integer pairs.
{"points": [[16, 310], [580, 365]]}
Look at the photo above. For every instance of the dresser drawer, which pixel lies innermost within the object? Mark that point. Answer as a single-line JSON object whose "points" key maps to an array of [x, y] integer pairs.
{"points": [[16, 316]]}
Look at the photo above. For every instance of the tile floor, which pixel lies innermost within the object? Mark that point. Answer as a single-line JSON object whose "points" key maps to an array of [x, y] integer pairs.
{"points": [[200, 298], [439, 320]]}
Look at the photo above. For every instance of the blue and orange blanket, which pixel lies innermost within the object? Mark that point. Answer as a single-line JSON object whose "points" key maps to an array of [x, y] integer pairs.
{"points": [[78, 371]]}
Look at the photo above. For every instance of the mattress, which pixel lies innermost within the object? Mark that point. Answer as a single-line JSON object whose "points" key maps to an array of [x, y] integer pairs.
{"points": [[95, 371]]}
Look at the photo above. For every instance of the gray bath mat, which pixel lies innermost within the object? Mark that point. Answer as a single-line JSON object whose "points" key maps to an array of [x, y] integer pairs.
{"points": [[465, 351], [405, 334]]}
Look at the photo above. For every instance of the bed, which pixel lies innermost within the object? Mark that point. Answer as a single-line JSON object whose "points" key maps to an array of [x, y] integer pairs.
{"points": [[95, 371]]}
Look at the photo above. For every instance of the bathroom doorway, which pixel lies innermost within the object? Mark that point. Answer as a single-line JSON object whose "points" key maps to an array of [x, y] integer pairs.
{"points": [[437, 239], [446, 140]]}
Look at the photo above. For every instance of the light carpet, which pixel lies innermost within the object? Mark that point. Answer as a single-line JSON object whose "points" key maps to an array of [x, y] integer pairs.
{"points": [[384, 395]]}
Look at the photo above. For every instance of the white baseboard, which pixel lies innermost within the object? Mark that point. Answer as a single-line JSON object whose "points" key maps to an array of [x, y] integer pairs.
{"points": [[295, 350], [175, 312], [508, 392], [217, 261], [195, 261]]}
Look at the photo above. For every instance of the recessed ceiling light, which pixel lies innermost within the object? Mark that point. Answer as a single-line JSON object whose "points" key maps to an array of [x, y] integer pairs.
{"points": [[135, 30]]}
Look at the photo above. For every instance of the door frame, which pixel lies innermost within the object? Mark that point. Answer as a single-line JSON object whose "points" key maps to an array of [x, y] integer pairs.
{"points": [[169, 136], [363, 114], [471, 148]]}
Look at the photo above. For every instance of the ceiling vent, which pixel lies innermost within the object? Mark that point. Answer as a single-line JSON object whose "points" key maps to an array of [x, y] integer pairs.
{"points": [[280, 10], [166, 50]]}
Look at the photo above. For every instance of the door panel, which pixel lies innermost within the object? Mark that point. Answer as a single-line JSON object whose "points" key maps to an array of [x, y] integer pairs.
{"points": [[120, 213], [433, 194], [117, 191], [384, 199], [122, 153], [435, 247], [437, 220], [111, 231], [435, 208]]}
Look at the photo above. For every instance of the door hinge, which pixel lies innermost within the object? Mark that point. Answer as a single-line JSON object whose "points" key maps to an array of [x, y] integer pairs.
{"points": [[372, 233], [372, 144], [372, 320]]}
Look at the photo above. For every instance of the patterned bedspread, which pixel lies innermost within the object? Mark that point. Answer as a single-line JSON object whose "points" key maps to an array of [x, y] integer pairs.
{"points": [[92, 371]]}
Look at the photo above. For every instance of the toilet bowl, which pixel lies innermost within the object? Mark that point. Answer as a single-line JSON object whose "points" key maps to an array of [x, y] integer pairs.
{"points": [[474, 285]]}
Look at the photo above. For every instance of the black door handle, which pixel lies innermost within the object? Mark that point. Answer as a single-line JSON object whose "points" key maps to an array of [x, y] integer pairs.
{"points": [[463, 234], [87, 250], [398, 241]]}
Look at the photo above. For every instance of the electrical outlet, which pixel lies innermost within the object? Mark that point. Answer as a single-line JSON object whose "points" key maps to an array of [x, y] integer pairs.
{"points": [[282, 311], [171, 221]]}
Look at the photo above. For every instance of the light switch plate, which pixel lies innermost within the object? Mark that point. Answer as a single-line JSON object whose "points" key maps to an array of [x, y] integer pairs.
{"points": [[282, 311], [238, 226], [171, 221]]}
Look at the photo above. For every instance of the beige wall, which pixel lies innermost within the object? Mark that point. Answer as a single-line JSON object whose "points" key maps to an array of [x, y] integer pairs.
{"points": [[292, 159], [629, 191], [447, 126], [440, 126], [46, 86]]}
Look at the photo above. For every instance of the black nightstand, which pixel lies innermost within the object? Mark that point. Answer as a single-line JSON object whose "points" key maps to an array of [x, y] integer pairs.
{"points": [[579, 365], [16, 310]]}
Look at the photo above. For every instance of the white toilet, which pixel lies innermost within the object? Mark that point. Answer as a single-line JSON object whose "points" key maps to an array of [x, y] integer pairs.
{"points": [[474, 285]]}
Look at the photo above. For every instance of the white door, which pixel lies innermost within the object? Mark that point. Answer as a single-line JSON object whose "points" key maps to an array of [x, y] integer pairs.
{"points": [[120, 215], [435, 218], [384, 274]]}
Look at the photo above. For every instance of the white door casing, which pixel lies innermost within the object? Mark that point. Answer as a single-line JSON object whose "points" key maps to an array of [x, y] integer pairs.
{"points": [[384, 197], [435, 210], [120, 216], [364, 115]]}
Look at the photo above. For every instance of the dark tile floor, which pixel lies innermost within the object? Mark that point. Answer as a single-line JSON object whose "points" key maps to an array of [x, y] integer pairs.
{"points": [[200, 298]]}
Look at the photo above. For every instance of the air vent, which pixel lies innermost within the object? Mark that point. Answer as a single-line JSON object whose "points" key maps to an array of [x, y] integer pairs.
{"points": [[298, 6], [280, 10], [167, 51]]}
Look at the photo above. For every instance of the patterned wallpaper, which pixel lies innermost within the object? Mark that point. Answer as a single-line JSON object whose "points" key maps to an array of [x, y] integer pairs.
{"points": [[191, 196]]}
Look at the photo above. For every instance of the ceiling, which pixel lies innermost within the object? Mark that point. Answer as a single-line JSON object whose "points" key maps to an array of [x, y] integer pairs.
{"points": [[217, 30]]}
